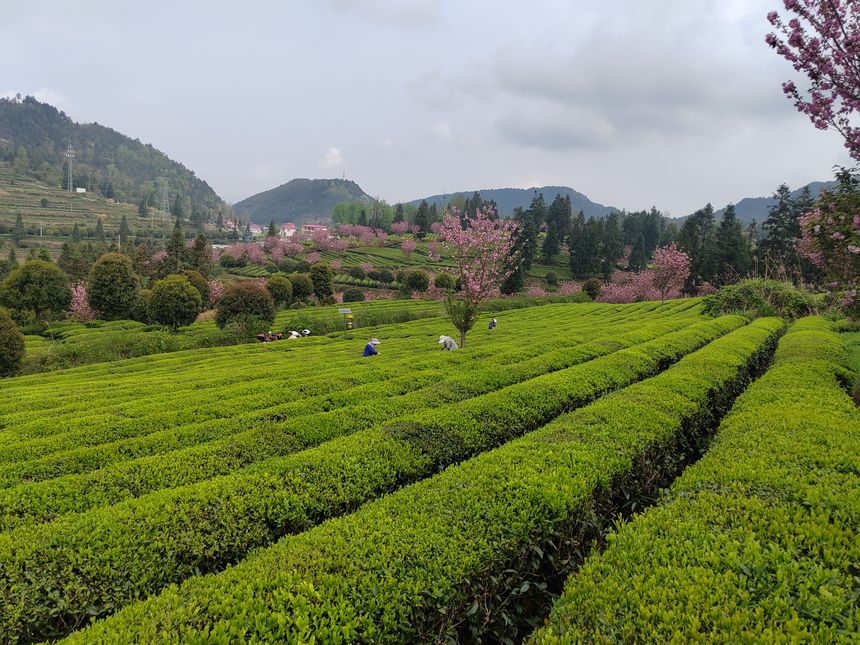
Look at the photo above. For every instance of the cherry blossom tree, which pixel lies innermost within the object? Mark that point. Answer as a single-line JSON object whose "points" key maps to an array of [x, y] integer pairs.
{"points": [[483, 251], [399, 228], [821, 39], [79, 307], [408, 246], [671, 268]]}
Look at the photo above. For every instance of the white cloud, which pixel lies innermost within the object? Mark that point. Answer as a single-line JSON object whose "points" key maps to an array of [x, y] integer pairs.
{"points": [[388, 142], [402, 13], [333, 158], [442, 130]]}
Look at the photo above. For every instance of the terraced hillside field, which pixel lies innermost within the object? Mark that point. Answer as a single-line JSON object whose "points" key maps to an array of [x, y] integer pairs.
{"points": [[414, 496]]}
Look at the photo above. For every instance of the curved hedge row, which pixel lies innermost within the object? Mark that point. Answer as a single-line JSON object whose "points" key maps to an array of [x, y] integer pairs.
{"points": [[451, 557], [92, 564], [759, 541]]}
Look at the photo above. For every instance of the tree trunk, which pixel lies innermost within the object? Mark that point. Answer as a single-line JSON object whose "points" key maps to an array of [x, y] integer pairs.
{"points": [[462, 339]]}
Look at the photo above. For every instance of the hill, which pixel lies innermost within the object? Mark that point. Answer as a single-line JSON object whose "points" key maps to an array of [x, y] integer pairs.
{"points": [[299, 201], [50, 213], [756, 208], [34, 137], [507, 199]]}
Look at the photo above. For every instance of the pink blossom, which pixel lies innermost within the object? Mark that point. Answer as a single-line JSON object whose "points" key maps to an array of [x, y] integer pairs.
{"points": [[79, 308], [408, 246], [569, 288], [367, 267], [336, 265], [399, 228], [313, 257], [671, 269], [216, 290], [535, 292]]}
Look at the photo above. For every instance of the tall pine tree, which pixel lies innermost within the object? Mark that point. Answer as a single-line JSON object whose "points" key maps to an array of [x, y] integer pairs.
{"points": [[732, 248]]}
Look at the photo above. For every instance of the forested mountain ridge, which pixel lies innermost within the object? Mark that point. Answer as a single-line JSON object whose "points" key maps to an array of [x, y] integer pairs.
{"points": [[300, 201], [508, 199], [34, 137], [756, 208]]}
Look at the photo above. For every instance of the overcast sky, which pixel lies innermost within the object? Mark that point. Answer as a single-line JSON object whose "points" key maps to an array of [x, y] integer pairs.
{"points": [[635, 103]]}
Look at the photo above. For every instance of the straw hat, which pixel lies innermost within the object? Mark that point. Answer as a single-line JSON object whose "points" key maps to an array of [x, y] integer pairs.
{"points": [[374, 341]]}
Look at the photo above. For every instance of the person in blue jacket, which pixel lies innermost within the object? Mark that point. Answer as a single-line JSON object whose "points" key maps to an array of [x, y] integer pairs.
{"points": [[370, 348]]}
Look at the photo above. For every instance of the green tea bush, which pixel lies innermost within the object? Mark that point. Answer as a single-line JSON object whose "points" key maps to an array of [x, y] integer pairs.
{"points": [[756, 297], [758, 541]]}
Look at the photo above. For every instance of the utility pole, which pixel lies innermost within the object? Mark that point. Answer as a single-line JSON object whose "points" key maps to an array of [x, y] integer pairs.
{"points": [[165, 205]]}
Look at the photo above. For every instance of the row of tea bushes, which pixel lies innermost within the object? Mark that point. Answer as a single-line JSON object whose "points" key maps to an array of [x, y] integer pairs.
{"points": [[457, 556], [760, 540], [94, 563]]}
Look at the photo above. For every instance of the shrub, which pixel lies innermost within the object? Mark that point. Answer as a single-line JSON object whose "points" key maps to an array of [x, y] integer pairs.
{"points": [[11, 344], [760, 297], [244, 299], [385, 276], [353, 295], [174, 302], [288, 265], [444, 281], [415, 280], [37, 286], [281, 289], [323, 279], [227, 261], [358, 273], [551, 278], [302, 286], [592, 287], [200, 283], [140, 310], [112, 287]]}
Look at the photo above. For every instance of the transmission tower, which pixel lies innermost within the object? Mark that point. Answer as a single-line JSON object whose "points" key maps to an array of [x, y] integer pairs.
{"points": [[70, 154], [165, 206]]}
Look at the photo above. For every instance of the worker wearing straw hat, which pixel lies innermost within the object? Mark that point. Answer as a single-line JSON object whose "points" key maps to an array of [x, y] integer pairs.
{"points": [[370, 348]]}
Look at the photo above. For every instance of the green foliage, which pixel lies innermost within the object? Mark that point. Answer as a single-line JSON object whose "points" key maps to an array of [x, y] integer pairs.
{"points": [[140, 310], [443, 280], [357, 273], [112, 287], [353, 295], [198, 282], [552, 279], [243, 299], [414, 280], [11, 344], [281, 289], [757, 542], [38, 287], [760, 297], [592, 287], [301, 200], [173, 302], [323, 280], [303, 286], [461, 538]]}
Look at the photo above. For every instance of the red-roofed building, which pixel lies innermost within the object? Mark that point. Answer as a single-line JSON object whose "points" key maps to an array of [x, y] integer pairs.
{"points": [[288, 230], [309, 229]]}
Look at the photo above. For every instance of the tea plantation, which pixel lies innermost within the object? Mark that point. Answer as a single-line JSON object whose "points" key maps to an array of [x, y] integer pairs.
{"points": [[582, 473]]}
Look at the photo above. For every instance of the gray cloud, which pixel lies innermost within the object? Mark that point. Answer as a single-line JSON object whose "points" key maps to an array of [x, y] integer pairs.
{"points": [[402, 13]]}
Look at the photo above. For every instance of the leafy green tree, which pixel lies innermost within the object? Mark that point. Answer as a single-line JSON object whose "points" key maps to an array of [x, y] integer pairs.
{"points": [[638, 255], [198, 282], [178, 211], [732, 248], [19, 231], [76, 234], [200, 255], [323, 278], [124, 231], [281, 289], [303, 286], [697, 238], [247, 301], [142, 210], [611, 245], [73, 261], [525, 239], [198, 217], [415, 280], [11, 344], [272, 232], [100, 231], [584, 244], [173, 302], [177, 252], [423, 218], [558, 222], [37, 286], [398, 213], [782, 228], [113, 286], [142, 261]]}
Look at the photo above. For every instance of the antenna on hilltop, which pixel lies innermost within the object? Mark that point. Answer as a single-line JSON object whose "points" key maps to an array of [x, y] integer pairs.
{"points": [[70, 154]]}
